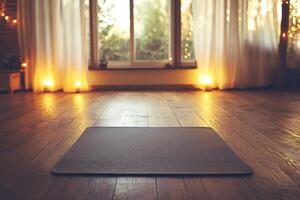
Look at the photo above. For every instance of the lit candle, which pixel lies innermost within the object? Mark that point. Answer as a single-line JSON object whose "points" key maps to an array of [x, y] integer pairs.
{"points": [[15, 21], [206, 81], [48, 83], [77, 86]]}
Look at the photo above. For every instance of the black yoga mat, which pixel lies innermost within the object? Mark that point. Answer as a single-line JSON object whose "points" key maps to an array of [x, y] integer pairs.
{"points": [[150, 151]]}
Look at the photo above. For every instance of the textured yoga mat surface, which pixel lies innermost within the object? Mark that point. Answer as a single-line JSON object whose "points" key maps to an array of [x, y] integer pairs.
{"points": [[150, 151]]}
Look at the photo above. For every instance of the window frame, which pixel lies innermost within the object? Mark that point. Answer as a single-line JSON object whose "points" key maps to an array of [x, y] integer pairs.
{"points": [[175, 39]]}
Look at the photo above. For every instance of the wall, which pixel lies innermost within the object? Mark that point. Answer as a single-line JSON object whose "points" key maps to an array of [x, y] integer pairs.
{"points": [[144, 77], [8, 33], [9, 47]]}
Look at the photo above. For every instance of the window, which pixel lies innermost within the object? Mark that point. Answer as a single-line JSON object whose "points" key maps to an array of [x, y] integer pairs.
{"points": [[141, 33], [152, 23], [113, 29], [87, 29], [187, 47], [294, 35]]}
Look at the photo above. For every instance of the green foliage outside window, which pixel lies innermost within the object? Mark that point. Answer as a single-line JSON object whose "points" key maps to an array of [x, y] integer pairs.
{"points": [[152, 31]]}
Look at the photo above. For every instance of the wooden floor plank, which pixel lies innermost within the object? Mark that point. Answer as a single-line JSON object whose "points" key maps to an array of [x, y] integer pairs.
{"points": [[172, 189], [182, 188], [270, 179], [262, 127], [93, 187], [135, 188], [134, 114], [196, 189], [239, 190], [228, 188]]}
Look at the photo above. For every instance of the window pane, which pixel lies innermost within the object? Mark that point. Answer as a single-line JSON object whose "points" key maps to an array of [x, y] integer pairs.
{"points": [[114, 29], [187, 47], [152, 30]]}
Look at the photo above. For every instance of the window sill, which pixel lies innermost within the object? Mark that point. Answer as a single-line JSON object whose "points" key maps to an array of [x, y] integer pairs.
{"points": [[143, 68]]}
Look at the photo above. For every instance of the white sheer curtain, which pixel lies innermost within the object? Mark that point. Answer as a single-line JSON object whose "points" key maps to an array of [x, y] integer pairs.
{"points": [[26, 37], [236, 41], [53, 40]]}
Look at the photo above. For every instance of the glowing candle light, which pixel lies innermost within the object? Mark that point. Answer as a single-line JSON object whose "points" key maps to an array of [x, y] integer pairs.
{"points": [[15, 21], [6, 18], [77, 86], [3, 14], [48, 83], [206, 81]]}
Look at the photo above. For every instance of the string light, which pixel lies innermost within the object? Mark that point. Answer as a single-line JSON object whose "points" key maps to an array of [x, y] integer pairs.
{"points": [[6, 17], [283, 35], [187, 31], [24, 65], [294, 19], [294, 29]]}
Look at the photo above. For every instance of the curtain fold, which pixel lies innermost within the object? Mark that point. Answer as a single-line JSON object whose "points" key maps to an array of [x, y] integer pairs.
{"points": [[236, 41], [26, 35], [52, 39]]}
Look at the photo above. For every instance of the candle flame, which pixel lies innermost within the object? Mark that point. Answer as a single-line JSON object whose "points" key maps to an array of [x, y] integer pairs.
{"points": [[78, 84], [206, 80], [48, 83]]}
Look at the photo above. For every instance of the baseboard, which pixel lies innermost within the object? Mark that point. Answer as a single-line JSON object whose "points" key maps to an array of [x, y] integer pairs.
{"points": [[143, 87]]}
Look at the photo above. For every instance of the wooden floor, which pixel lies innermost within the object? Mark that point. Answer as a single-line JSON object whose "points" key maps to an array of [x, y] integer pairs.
{"points": [[262, 127]]}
